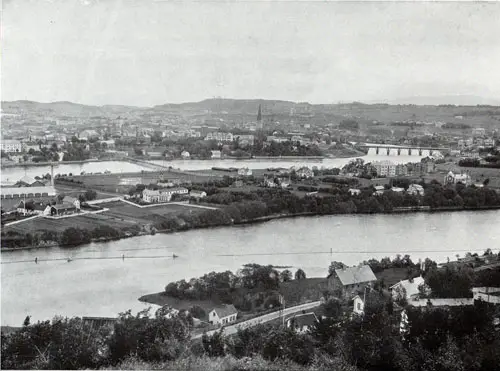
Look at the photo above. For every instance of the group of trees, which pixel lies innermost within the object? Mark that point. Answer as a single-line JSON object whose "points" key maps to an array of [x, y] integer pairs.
{"points": [[286, 149], [65, 343], [253, 287], [460, 338]]}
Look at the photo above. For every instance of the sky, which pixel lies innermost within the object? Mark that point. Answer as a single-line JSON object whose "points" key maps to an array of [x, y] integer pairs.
{"points": [[149, 52]]}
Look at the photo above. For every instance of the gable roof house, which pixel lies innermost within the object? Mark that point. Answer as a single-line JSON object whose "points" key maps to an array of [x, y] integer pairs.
{"points": [[348, 282], [27, 181], [222, 315], [72, 200], [62, 209]]}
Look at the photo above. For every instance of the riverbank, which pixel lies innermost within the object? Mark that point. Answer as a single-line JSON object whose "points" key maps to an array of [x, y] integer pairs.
{"points": [[257, 220]]}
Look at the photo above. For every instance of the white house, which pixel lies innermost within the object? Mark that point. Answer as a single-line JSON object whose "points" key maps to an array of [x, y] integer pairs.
{"points": [[407, 289], [223, 315], [302, 323], [415, 189], [216, 154], [358, 305], [304, 172], [354, 191], [162, 195], [185, 155], [379, 190], [11, 145], [244, 171], [197, 194], [397, 189]]}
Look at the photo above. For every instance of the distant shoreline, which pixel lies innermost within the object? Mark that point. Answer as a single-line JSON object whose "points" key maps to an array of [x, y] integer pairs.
{"points": [[399, 210]]}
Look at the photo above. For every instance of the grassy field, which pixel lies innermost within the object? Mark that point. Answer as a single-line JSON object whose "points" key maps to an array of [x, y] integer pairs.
{"points": [[478, 175], [120, 216]]}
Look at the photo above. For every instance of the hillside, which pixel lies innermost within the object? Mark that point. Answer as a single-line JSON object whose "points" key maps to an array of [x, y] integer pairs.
{"points": [[63, 108], [276, 110]]}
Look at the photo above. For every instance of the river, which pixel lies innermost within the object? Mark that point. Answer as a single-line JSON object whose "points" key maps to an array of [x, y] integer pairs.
{"points": [[13, 174], [99, 283]]}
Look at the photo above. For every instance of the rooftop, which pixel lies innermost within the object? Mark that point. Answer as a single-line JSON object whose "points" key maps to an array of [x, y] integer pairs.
{"points": [[353, 275], [301, 320], [226, 310], [411, 288], [28, 190]]}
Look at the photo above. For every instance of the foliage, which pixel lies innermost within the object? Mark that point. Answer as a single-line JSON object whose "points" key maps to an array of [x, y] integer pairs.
{"points": [[300, 274], [75, 236], [450, 282]]}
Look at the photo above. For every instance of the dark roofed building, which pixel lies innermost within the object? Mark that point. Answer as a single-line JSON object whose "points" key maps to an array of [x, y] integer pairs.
{"points": [[348, 282], [62, 209]]}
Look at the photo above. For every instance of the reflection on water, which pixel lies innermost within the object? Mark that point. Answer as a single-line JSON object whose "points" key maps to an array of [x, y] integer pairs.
{"points": [[106, 278]]}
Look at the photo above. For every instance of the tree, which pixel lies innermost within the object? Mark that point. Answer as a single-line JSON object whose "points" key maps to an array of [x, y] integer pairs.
{"points": [[214, 345], [335, 265], [285, 276], [75, 236], [300, 274], [90, 195], [332, 308], [450, 282]]}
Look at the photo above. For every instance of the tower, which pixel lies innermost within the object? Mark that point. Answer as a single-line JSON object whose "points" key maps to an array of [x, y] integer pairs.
{"points": [[259, 118]]}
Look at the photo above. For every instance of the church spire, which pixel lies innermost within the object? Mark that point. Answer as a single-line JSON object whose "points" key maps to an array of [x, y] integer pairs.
{"points": [[259, 114]]}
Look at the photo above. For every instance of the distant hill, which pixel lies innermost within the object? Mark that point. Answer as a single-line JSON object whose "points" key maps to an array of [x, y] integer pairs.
{"points": [[63, 108], [238, 106], [458, 100]]}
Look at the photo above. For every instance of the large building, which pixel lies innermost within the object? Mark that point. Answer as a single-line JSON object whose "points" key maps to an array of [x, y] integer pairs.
{"points": [[28, 192], [11, 146], [385, 168], [347, 282], [220, 136], [162, 195]]}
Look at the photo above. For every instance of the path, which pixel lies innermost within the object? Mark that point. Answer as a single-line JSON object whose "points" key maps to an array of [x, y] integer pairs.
{"points": [[230, 330]]}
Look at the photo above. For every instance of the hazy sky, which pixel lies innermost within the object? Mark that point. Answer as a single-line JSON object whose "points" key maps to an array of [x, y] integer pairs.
{"points": [[141, 52]]}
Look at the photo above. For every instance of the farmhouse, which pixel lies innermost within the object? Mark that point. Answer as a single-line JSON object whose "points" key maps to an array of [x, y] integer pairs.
{"points": [[32, 207], [223, 315], [72, 200], [347, 282], [62, 209]]}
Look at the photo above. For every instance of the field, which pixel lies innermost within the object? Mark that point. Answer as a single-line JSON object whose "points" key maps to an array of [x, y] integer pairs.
{"points": [[121, 183], [120, 216], [124, 211], [478, 175]]}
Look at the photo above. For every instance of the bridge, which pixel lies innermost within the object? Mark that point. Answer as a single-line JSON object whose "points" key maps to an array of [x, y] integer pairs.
{"points": [[394, 150]]}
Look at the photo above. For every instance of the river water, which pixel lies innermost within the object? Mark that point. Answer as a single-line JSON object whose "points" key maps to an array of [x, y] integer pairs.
{"points": [[98, 282], [13, 174]]}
